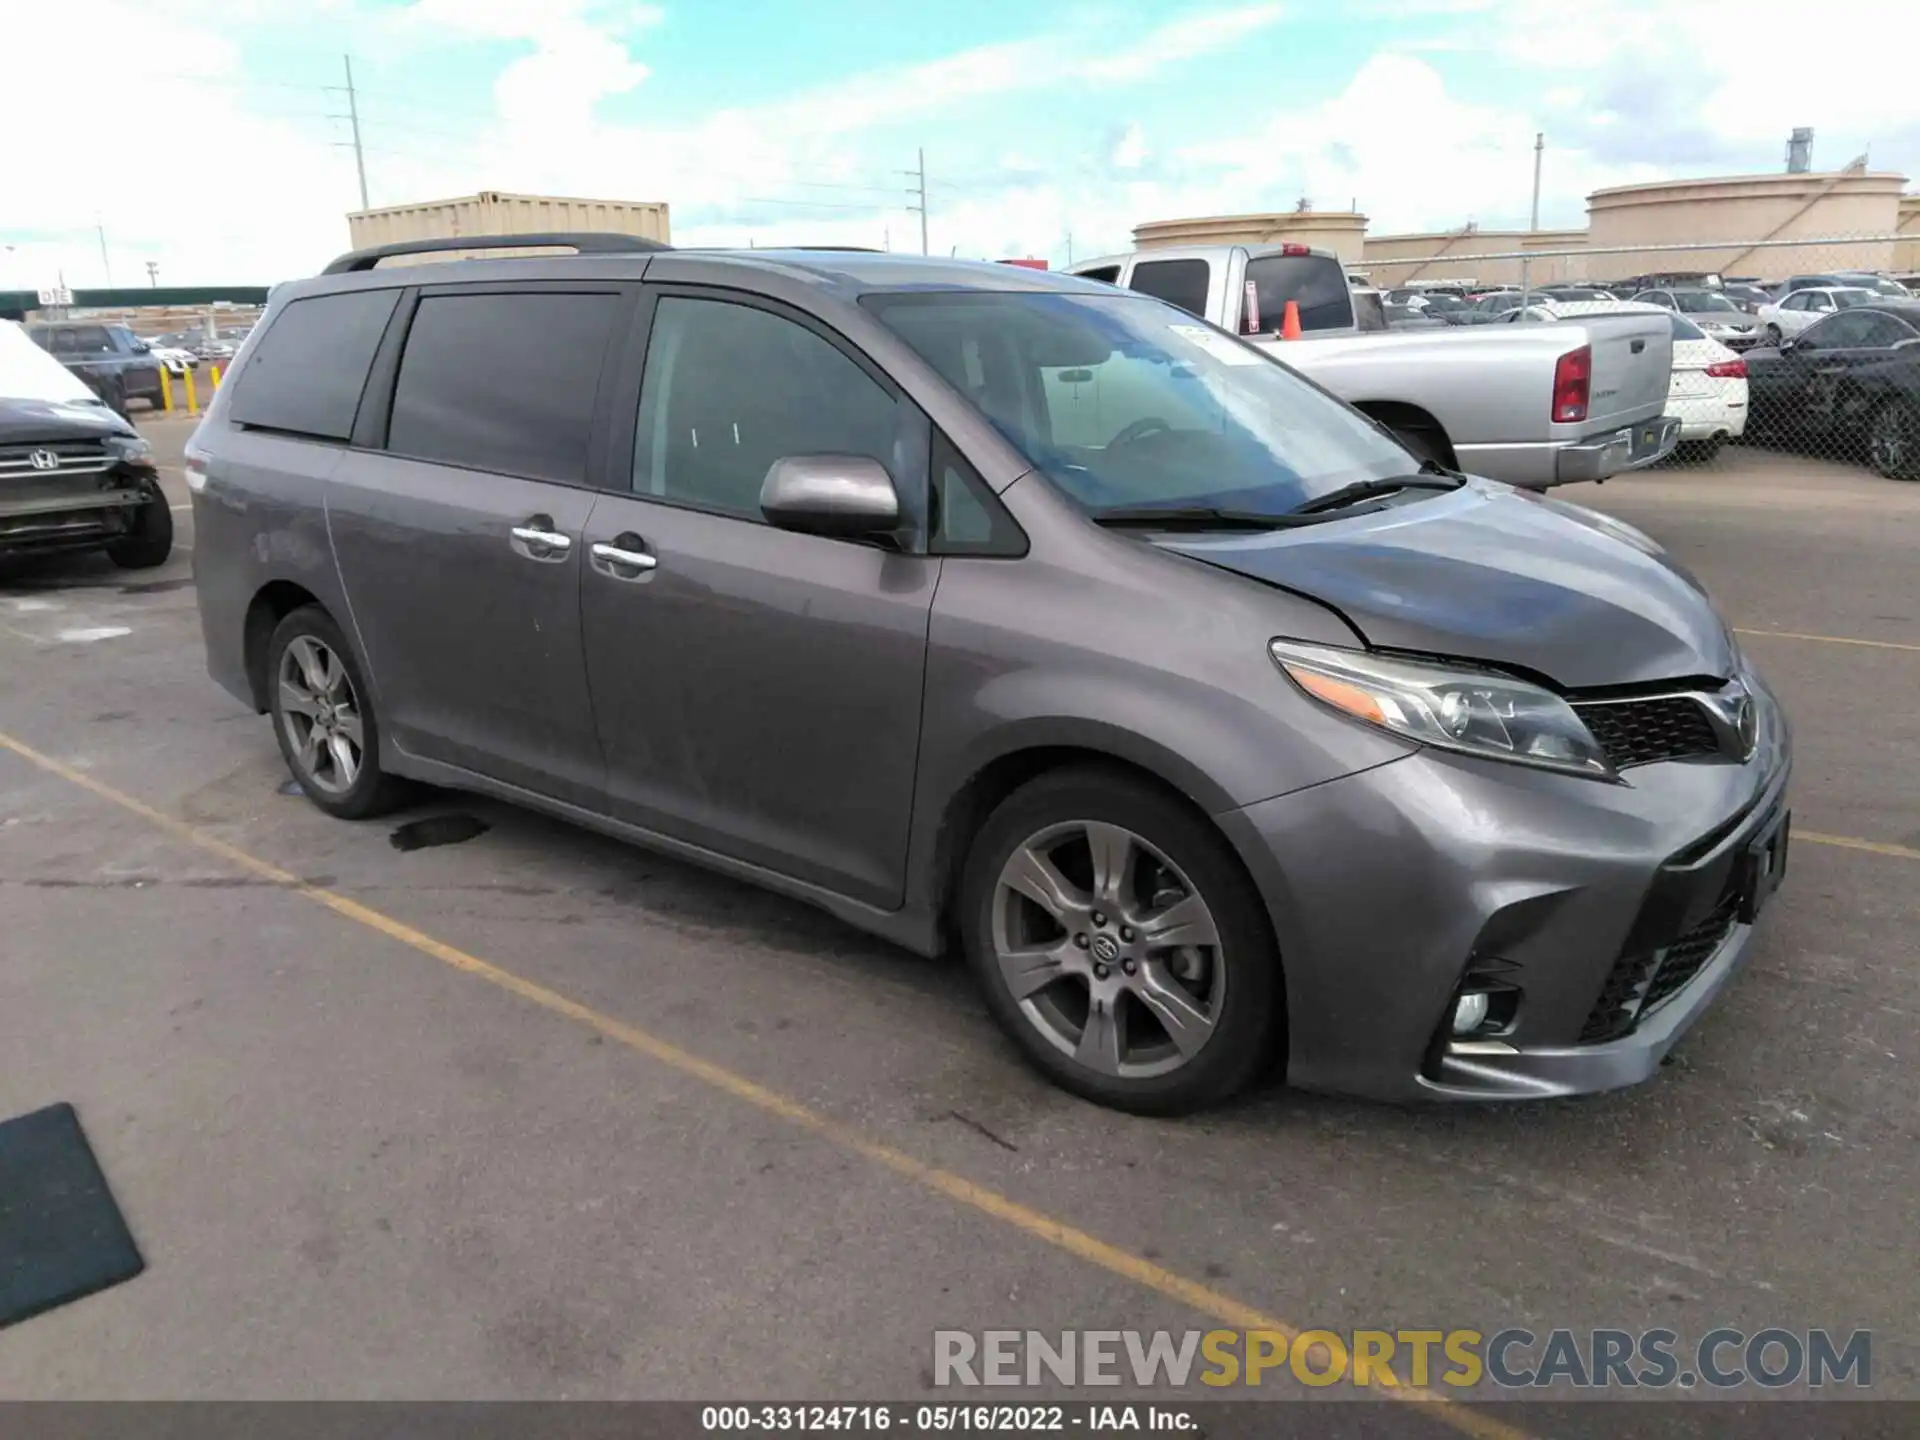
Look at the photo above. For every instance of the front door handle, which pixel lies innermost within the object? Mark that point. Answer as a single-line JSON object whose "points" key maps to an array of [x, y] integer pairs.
{"points": [[538, 540], [626, 558]]}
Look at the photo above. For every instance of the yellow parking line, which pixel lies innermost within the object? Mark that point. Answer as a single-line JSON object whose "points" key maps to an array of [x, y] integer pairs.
{"points": [[1038, 1225], [1853, 842], [1830, 639]]}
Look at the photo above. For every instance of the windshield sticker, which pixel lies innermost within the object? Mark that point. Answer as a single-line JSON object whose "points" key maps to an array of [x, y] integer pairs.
{"points": [[1227, 352]]}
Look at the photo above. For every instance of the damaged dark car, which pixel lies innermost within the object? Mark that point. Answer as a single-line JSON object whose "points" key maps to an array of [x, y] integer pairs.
{"points": [[74, 476]]}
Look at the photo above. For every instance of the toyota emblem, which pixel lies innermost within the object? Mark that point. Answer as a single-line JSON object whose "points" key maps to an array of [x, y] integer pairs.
{"points": [[1105, 949], [44, 460]]}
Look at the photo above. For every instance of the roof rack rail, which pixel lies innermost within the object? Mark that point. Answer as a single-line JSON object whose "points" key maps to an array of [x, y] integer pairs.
{"points": [[585, 242]]}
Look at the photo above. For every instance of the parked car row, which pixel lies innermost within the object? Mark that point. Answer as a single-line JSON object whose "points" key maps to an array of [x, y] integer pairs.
{"points": [[1846, 379]]}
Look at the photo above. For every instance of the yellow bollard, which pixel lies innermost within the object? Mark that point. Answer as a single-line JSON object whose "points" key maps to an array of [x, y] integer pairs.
{"points": [[166, 392], [216, 377], [193, 401]]}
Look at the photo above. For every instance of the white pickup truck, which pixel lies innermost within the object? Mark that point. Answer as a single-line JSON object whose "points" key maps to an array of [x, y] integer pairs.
{"points": [[1531, 405]]}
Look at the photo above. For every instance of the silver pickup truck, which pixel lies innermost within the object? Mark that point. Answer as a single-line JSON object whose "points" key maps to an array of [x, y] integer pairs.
{"points": [[1531, 405]]}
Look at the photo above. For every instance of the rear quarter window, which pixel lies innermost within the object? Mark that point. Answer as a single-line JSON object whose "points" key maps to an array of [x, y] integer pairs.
{"points": [[306, 374], [504, 382]]}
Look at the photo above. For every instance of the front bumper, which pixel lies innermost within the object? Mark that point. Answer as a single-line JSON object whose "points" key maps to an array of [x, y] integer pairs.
{"points": [[1388, 887], [64, 515]]}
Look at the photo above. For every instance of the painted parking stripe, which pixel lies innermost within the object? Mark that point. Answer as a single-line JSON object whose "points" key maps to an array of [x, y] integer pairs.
{"points": [[1831, 639], [1854, 842], [1037, 1225]]}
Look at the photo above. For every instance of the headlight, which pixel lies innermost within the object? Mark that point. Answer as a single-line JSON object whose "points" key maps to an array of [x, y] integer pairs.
{"points": [[1493, 716], [129, 447]]}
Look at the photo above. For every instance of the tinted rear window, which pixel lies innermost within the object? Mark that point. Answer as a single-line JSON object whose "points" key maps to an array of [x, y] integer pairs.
{"points": [[1178, 282], [502, 382], [307, 372], [1315, 281]]}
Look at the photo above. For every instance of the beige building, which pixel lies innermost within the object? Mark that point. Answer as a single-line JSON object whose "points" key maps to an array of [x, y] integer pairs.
{"points": [[494, 212], [1461, 254], [1831, 211], [1906, 252], [1741, 209], [1340, 231]]}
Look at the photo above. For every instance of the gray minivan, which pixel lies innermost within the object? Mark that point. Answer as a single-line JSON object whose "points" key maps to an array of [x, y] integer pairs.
{"points": [[995, 609]]}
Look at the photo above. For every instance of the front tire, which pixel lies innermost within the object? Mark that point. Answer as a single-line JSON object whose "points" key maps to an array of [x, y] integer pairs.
{"points": [[323, 718], [148, 544], [1774, 337], [1120, 943]]}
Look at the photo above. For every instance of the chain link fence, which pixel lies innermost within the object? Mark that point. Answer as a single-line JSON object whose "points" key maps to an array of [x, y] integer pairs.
{"points": [[1803, 351]]}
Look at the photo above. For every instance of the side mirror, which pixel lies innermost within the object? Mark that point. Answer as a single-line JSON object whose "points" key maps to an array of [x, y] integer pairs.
{"points": [[140, 347], [841, 495]]}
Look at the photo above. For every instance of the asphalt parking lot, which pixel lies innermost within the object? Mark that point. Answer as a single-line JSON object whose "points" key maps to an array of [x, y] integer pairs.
{"points": [[534, 1114]]}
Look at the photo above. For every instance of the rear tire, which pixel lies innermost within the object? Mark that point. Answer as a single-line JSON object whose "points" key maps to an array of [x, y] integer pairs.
{"points": [[1699, 452], [1893, 440], [314, 683], [1212, 969], [148, 544]]}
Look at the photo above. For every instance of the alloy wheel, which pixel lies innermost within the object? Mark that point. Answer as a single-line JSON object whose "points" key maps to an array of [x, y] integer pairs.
{"points": [[321, 715], [1109, 950], [1892, 445]]}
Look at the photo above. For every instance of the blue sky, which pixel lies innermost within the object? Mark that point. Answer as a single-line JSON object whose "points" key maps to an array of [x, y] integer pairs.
{"points": [[767, 120]]}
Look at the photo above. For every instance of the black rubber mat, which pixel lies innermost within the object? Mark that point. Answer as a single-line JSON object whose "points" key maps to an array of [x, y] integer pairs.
{"points": [[61, 1235]]}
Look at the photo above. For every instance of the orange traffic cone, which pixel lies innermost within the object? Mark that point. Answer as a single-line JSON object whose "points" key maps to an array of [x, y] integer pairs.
{"points": [[1290, 321]]}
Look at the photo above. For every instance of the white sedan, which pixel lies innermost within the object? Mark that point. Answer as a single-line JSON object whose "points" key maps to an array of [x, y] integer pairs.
{"points": [[1708, 388], [1795, 312], [177, 361]]}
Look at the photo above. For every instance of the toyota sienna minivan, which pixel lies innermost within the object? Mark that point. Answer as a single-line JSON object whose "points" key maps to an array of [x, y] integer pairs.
{"points": [[993, 609]]}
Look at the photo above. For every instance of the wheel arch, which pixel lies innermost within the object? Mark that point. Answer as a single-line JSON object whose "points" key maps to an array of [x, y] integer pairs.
{"points": [[271, 604], [1022, 754], [1403, 415]]}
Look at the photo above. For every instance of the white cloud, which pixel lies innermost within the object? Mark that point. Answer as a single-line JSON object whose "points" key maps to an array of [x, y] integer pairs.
{"points": [[1417, 134]]}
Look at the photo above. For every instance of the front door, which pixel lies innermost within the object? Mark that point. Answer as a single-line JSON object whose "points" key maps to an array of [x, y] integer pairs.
{"points": [[757, 692], [461, 544]]}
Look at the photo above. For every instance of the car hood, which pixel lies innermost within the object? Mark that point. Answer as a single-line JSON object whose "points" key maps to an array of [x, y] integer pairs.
{"points": [[1499, 576], [26, 420]]}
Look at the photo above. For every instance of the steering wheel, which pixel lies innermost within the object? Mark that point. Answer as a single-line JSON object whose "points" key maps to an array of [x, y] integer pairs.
{"points": [[1139, 430]]}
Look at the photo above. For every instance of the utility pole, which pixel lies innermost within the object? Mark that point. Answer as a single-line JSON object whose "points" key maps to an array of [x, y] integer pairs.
{"points": [[352, 117], [105, 264], [920, 175], [153, 273], [1533, 224]]}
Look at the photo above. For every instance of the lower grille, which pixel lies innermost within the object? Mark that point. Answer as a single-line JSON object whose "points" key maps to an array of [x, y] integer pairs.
{"points": [[1639, 984], [1641, 732]]}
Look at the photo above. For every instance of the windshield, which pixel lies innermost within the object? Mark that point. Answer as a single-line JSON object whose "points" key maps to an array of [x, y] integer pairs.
{"points": [[1847, 299], [1702, 302], [1124, 401], [1877, 283]]}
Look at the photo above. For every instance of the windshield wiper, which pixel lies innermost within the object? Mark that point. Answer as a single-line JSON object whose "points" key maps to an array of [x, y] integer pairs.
{"points": [[1193, 517], [1431, 477]]}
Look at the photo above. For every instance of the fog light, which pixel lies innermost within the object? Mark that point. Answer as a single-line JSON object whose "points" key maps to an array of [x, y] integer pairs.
{"points": [[1470, 1012]]}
